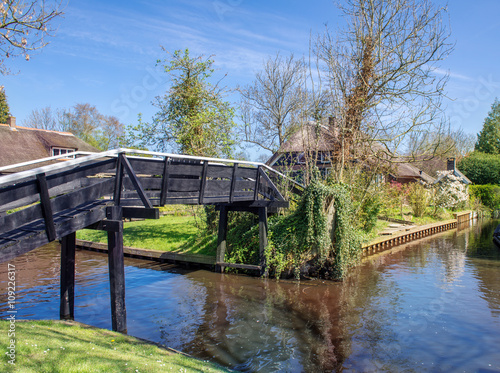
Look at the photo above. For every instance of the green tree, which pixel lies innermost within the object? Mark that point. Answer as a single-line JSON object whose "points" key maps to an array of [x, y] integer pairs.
{"points": [[488, 140], [4, 106], [481, 168], [192, 117]]}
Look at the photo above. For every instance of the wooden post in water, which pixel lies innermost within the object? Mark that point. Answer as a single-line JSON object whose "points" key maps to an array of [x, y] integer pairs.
{"points": [[67, 305], [221, 238], [117, 272], [262, 237]]}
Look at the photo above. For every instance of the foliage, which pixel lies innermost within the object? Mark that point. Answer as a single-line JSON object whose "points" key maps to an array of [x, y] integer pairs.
{"points": [[418, 198], [192, 118], [489, 195], [4, 106], [24, 25], [307, 236], [450, 192], [370, 209], [481, 168], [82, 120], [68, 346], [488, 140], [380, 71]]}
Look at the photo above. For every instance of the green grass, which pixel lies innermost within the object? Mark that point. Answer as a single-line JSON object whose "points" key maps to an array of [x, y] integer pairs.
{"points": [[59, 346], [172, 233]]}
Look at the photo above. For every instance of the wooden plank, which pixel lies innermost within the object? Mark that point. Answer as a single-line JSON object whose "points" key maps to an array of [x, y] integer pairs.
{"points": [[257, 184], [219, 171], [203, 182], [84, 195], [19, 218], [67, 280], [18, 195], [244, 185], [221, 238], [233, 183], [147, 166], [271, 185], [184, 185], [247, 172], [117, 276], [164, 181], [107, 226], [117, 192], [218, 187], [239, 266], [46, 207], [137, 184], [141, 213]]}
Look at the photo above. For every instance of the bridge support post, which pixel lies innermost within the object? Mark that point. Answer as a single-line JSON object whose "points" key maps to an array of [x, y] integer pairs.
{"points": [[117, 273], [221, 238], [262, 238], [67, 281]]}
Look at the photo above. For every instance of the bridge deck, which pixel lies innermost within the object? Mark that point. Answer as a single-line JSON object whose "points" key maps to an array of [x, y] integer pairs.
{"points": [[48, 203]]}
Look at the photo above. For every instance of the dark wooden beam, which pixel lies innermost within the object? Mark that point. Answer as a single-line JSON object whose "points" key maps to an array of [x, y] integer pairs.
{"points": [[240, 266], [141, 213], [164, 181], [67, 306], [46, 207], [233, 183], [203, 183], [221, 238], [135, 181], [107, 225], [117, 274], [262, 237], [257, 185], [271, 184], [118, 181]]}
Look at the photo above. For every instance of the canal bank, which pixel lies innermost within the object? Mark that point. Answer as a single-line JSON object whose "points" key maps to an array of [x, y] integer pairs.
{"points": [[400, 311]]}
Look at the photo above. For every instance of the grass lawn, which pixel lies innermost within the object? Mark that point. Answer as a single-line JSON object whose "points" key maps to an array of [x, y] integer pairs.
{"points": [[169, 233], [60, 346]]}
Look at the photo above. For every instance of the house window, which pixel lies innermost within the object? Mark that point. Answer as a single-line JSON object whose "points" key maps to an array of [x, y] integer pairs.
{"points": [[325, 157], [63, 151], [301, 158]]}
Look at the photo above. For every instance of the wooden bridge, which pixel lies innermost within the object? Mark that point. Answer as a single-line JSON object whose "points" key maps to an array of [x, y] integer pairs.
{"points": [[98, 190]]}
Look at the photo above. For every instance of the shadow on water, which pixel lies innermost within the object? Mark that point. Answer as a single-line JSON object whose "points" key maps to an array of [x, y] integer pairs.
{"points": [[431, 305]]}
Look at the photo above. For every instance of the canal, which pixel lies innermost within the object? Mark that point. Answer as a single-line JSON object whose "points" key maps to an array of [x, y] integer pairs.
{"points": [[431, 305]]}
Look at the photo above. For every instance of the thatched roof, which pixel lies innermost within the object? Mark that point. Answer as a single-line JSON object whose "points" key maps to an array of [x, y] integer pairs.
{"points": [[20, 144], [409, 171]]}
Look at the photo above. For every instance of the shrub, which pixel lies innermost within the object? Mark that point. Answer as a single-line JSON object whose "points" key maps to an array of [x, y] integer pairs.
{"points": [[481, 168], [489, 195], [450, 192], [418, 198]]}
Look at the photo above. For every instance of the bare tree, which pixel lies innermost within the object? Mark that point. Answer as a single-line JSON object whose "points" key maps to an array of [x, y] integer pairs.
{"points": [[24, 26], [382, 71], [274, 102], [43, 118]]}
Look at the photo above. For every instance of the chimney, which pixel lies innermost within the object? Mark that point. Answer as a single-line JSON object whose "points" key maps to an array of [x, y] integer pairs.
{"points": [[450, 166], [11, 121], [331, 121]]}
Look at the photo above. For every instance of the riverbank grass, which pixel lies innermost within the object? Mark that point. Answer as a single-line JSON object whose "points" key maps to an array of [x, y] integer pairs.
{"points": [[172, 233], [66, 346]]}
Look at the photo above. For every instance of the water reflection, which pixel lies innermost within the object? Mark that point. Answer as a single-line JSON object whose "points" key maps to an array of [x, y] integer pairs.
{"points": [[432, 305]]}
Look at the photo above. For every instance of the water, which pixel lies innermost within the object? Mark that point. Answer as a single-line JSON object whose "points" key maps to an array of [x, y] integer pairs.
{"points": [[432, 305]]}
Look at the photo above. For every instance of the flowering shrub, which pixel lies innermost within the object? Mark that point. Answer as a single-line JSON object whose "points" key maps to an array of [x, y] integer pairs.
{"points": [[450, 192]]}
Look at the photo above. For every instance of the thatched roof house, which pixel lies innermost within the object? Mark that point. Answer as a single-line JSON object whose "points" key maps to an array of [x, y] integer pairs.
{"points": [[20, 144], [318, 142]]}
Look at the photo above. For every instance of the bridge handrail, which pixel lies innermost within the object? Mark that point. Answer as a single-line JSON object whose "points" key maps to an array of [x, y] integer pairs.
{"points": [[88, 156]]}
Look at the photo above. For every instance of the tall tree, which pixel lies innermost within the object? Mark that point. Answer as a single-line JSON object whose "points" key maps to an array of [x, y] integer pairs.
{"points": [[192, 116], [24, 27], [4, 106], [381, 70], [488, 140], [274, 103]]}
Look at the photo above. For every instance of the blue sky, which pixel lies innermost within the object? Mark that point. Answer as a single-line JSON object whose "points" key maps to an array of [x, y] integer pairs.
{"points": [[104, 52]]}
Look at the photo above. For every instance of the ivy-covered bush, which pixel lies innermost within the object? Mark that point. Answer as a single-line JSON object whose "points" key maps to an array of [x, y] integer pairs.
{"points": [[312, 236]]}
